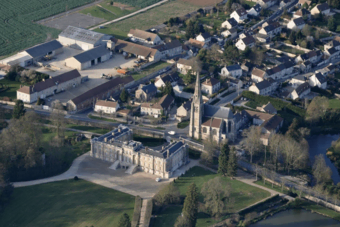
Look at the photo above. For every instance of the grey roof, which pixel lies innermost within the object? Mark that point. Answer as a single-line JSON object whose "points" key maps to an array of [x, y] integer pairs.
{"points": [[269, 108], [114, 134], [150, 88], [166, 101], [320, 78], [232, 22], [263, 84], [302, 87], [217, 112], [257, 7], [233, 67], [42, 49], [248, 40], [332, 50], [299, 21], [169, 45], [272, 123], [172, 148], [187, 105], [92, 54], [241, 12], [323, 6], [299, 77], [206, 35], [81, 34], [289, 64]]}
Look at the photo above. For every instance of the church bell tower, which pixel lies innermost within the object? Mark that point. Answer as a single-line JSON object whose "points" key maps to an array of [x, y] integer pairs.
{"points": [[197, 109]]}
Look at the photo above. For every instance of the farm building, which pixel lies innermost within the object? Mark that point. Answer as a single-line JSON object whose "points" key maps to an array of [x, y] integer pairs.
{"points": [[34, 54], [88, 58], [138, 35], [82, 38], [49, 87]]}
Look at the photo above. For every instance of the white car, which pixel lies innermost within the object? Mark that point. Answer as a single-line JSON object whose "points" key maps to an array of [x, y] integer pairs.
{"points": [[158, 179], [172, 133]]}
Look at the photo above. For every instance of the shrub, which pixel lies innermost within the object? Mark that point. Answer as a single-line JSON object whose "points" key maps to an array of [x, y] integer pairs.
{"points": [[76, 178]]}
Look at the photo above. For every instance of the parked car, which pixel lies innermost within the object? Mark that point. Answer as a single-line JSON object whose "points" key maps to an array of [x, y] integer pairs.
{"points": [[158, 179], [172, 133]]}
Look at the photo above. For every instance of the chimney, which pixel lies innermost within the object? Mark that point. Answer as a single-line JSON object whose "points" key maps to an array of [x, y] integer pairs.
{"points": [[105, 139], [162, 147], [113, 133], [167, 154], [119, 130]]}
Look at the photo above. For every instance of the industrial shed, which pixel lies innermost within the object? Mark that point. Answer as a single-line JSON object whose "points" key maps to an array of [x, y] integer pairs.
{"points": [[88, 58], [82, 38]]}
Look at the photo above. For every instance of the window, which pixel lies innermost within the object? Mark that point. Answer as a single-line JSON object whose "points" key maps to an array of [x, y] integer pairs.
{"points": [[214, 132], [205, 130]]}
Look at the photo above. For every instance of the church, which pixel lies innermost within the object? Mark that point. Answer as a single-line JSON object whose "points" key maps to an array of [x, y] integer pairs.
{"points": [[210, 122]]}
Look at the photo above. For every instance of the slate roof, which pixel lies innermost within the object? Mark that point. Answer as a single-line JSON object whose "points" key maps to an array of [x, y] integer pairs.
{"points": [[218, 112], [81, 34], [332, 50], [232, 22], [320, 78], [299, 77], [257, 7], [166, 101], [211, 82], [42, 49], [269, 108], [333, 43], [233, 67], [150, 88], [172, 148], [205, 35], [91, 54], [169, 45], [241, 12], [323, 7], [114, 134], [288, 64], [301, 88], [149, 36], [272, 123], [106, 103], [170, 77], [263, 84], [187, 105], [298, 21], [135, 48], [248, 40]]}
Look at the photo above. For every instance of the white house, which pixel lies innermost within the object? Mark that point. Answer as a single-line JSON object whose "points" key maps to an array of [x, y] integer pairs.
{"points": [[243, 43], [321, 8], [184, 65], [204, 37], [106, 106], [302, 13], [232, 70], [265, 87], [271, 30], [211, 86], [297, 81], [231, 33], [318, 80], [230, 23], [258, 75], [255, 10], [137, 35], [172, 78], [296, 24], [333, 43], [170, 49], [239, 15], [300, 92]]}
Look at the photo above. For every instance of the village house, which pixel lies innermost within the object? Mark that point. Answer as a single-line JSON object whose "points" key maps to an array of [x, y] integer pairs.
{"points": [[267, 108], [234, 82], [318, 80], [302, 13], [321, 8], [312, 56], [301, 91], [162, 107], [276, 72], [265, 87], [258, 75], [118, 147], [49, 87], [305, 66], [296, 24], [183, 112], [196, 45], [231, 33], [211, 86], [106, 106], [137, 35], [230, 23], [297, 81], [243, 43], [239, 15], [172, 78], [327, 70], [262, 38], [332, 52], [204, 37], [335, 43], [232, 71], [302, 2], [271, 30], [170, 49], [255, 10], [247, 67], [184, 65], [145, 92]]}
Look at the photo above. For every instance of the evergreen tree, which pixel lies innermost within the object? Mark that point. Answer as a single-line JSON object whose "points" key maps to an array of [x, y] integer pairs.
{"points": [[232, 163], [124, 221], [189, 31], [292, 37], [123, 95], [190, 207], [19, 109], [168, 90], [331, 24], [223, 160], [197, 28]]}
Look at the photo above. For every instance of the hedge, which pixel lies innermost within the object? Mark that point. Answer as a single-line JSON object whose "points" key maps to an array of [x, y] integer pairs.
{"points": [[136, 211]]}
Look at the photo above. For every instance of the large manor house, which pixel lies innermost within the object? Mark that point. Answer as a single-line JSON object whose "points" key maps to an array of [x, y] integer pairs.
{"points": [[118, 147]]}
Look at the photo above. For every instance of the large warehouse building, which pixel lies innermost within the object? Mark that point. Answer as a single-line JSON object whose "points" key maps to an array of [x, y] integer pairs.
{"points": [[88, 58], [82, 38]]}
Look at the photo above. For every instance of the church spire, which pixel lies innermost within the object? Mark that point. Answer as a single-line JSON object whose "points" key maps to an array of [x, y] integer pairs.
{"points": [[198, 94]]}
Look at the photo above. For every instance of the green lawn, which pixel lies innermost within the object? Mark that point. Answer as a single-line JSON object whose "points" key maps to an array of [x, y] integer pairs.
{"points": [[150, 69], [11, 92], [269, 185], [88, 128], [321, 209], [334, 103], [183, 124], [249, 3], [291, 50], [107, 11], [149, 141], [101, 119], [66, 204], [244, 195], [214, 19]]}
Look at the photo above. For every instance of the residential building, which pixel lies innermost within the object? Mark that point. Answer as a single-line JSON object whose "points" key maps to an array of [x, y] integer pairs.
{"points": [[49, 87], [277, 72], [243, 43], [145, 92], [302, 2], [321, 8], [302, 13], [327, 70], [172, 77], [231, 33], [239, 15], [88, 58], [104, 91], [296, 24], [233, 82], [255, 10], [230, 23], [318, 80], [183, 112], [163, 106], [247, 67], [106, 106], [312, 56], [81, 38], [267, 108], [232, 71], [332, 44], [301, 91], [271, 30], [209, 122], [139, 51], [170, 49], [332, 52], [258, 75], [204, 37], [211, 86], [269, 123], [137, 35], [184, 65], [297, 81], [196, 45], [265, 87], [305, 66], [118, 147], [262, 38]]}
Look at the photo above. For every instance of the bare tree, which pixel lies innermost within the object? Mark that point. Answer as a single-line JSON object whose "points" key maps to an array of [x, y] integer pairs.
{"points": [[316, 109], [295, 155], [283, 182], [321, 171], [264, 172], [272, 175], [57, 118], [276, 147], [252, 140]]}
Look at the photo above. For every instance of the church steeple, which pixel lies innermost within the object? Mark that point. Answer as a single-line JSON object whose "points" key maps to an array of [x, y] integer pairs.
{"points": [[197, 111], [198, 94]]}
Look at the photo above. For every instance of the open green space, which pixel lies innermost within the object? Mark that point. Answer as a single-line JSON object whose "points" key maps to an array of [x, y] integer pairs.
{"points": [[150, 69], [88, 128], [18, 30], [148, 19], [334, 103], [183, 124], [291, 50], [11, 88], [138, 3], [67, 203], [243, 194], [101, 118], [106, 11], [269, 185], [250, 4], [213, 19], [149, 141], [321, 209]]}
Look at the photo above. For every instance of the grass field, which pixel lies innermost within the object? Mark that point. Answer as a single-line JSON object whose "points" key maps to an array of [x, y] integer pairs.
{"points": [[269, 185], [214, 20], [18, 30], [334, 103], [183, 124], [250, 4], [150, 69], [89, 129], [101, 119], [149, 18], [13, 86], [244, 195], [66, 204], [106, 11], [291, 50]]}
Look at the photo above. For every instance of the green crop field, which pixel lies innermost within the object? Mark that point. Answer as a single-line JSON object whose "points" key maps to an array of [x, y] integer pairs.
{"points": [[18, 30], [107, 11], [138, 3]]}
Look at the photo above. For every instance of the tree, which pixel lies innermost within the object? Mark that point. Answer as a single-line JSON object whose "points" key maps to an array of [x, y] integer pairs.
{"points": [[275, 147], [123, 96], [295, 155], [216, 196], [58, 120], [331, 24], [189, 77], [232, 163], [292, 37], [305, 5], [190, 206], [307, 30], [321, 172], [251, 140], [169, 194], [19, 109], [316, 109], [181, 222], [168, 90], [223, 160], [293, 131], [124, 221]]}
